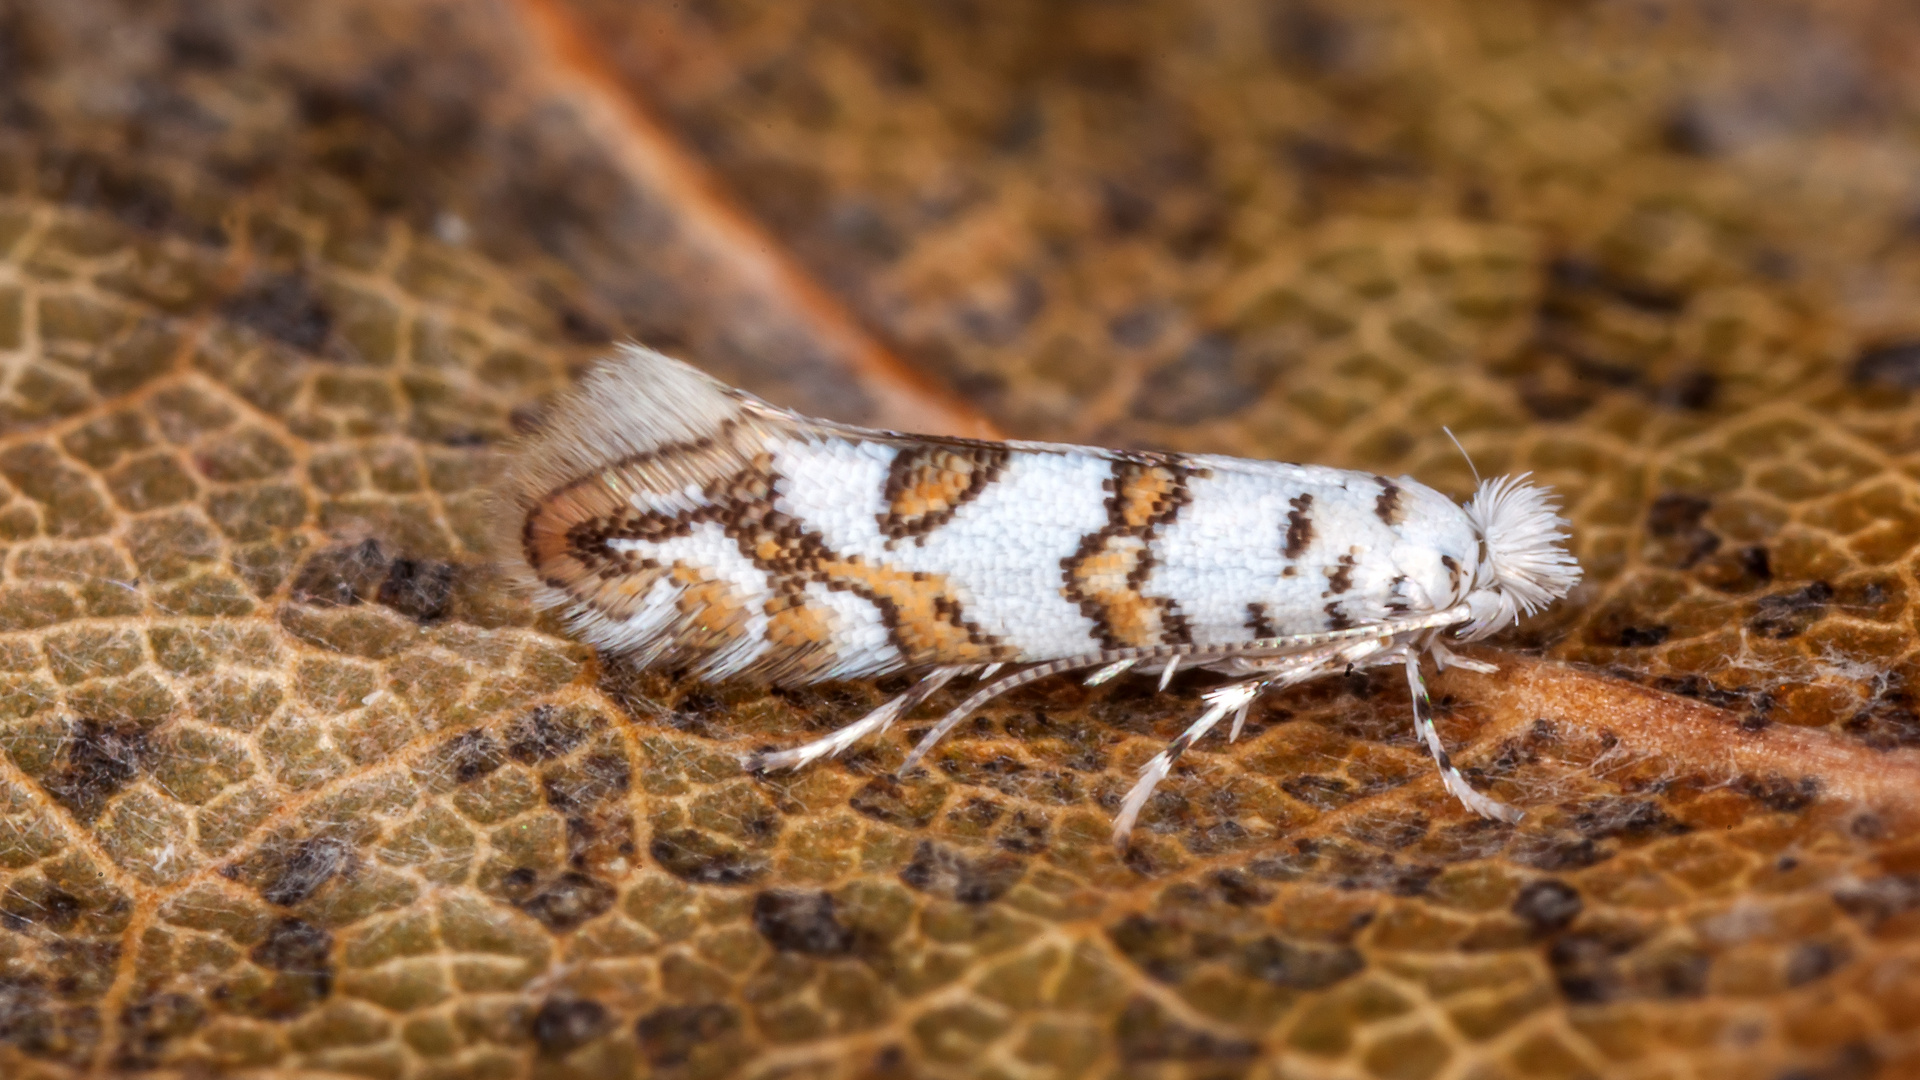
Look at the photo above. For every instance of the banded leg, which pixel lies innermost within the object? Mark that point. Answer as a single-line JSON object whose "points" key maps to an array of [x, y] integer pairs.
{"points": [[1449, 775], [1219, 703], [873, 723], [1236, 698]]}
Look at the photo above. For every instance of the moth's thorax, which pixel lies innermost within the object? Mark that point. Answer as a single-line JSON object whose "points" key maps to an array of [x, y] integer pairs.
{"points": [[756, 543]]}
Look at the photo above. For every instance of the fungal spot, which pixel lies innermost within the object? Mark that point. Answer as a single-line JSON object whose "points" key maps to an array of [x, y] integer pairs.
{"points": [[1547, 906], [1674, 521], [895, 802], [1586, 966], [1787, 615], [1558, 854], [693, 855], [1299, 967], [1641, 637], [342, 576], [592, 781], [97, 760], [152, 1023], [470, 755], [1779, 793], [943, 872], [1635, 819], [1811, 961], [420, 589], [1876, 900], [672, 1035], [802, 922], [543, 734], [301, 953], [284, 307], [35, 903], [569, 900], [1206, 381], [562, 1025], [303, 870], [1893, 363]]}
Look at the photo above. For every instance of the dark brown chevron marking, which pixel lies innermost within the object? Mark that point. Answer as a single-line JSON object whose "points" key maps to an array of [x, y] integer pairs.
{"points": [[1340, 578], [928, 483], [1299, 526], [1337, 619], [1105, 575], [1389, 506], [1257, 622]]}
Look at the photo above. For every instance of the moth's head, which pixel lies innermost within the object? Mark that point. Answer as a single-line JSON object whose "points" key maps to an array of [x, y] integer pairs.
{"points": [[1524, 563]]}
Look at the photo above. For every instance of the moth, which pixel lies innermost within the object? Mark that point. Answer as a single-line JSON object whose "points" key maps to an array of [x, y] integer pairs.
{"points": [[675, 521]]}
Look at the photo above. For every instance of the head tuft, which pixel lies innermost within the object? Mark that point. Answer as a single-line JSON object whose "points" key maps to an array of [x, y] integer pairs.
{"points": [[1526, 559]]}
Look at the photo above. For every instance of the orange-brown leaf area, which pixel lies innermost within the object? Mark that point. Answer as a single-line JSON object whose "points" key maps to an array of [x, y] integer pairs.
{"points": [[290, 786]]}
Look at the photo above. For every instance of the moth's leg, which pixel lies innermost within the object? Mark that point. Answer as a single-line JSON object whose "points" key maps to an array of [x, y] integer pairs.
{"points": [[1219, 703], [1444, 658], [1449, 775], [873, 723]]}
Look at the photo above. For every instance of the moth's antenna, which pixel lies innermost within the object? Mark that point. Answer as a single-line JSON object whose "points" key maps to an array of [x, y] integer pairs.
{"points": [[1464, 454]]}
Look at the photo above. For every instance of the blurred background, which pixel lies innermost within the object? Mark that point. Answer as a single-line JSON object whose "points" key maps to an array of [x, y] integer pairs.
{"points": [[1665, 254]]}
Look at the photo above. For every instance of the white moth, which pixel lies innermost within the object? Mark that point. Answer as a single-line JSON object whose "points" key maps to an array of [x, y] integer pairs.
{"points": [[677, 521]]}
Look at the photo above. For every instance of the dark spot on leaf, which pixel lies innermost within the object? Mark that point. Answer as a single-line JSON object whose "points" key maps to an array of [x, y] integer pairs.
{"points": [[1676, 522], [284, 307], [150, 1024], [1686, 131], [1547, 906], [562, 1025], [698, 713], [1299, 967], [300, 956], [1692, 390], [30, 903], [802, 922], [342, 576], [1026, 834], [198, 42], [1779, 793], [669, 1036], [696, 856], [1634, 819], [1240, 889], [906, 805], [1205, 382], [944, 872], [1787, 615], [1876, 900], [1641, 637], [294, 945], [302, 870], [471, 755], [591, 781], [1557, 853], [97, 760], [420, 589], [1894, 363], [569, 900], [542, 735], [1587, 966], [1812, 960]]}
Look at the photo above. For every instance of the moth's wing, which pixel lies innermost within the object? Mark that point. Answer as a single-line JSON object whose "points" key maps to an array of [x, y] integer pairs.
{"points": [[644, 509]]}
